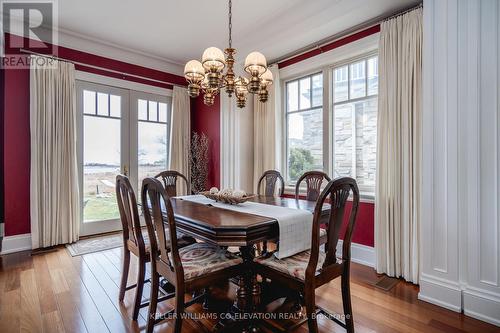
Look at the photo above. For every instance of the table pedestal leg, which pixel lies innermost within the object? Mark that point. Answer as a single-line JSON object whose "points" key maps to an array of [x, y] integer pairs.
{"points": [[248, 293]]}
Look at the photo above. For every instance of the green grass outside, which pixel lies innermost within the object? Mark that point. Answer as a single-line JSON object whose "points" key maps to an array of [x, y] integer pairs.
{"points": [[100, 208]]}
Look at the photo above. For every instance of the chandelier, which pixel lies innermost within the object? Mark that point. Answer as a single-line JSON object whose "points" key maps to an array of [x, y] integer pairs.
{"points": [[208, 75]]}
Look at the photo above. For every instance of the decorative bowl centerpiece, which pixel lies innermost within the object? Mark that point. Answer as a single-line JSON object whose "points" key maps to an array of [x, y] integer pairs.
{"points": [[227, 195]]}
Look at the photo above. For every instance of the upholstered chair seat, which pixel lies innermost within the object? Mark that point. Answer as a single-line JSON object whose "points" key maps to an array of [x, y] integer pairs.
{"points": [[201, 258], [294, 266]]}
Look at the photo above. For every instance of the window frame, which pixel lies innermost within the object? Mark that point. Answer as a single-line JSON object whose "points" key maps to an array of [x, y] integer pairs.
{"points": [[328, 113]]}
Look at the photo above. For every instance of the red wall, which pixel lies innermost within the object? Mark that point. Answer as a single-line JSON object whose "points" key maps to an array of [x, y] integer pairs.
{"points": [[17, 152], [363, 229], [16, 125], [206, 119]]}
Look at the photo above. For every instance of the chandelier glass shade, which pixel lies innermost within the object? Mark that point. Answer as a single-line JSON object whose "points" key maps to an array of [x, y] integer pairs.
{"points": [[215, 72]]}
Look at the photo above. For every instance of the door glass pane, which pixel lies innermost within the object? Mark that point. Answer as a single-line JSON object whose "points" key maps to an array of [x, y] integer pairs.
{"points": [[292, 96], [102, 104], [101, 164], [305, 93], [357, 80], [305, 142], [340, 87], [152, 149], [317, 90]]}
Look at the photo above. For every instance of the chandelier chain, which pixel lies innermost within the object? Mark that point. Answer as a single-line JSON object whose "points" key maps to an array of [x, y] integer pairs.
{"points": [[230, 24]]}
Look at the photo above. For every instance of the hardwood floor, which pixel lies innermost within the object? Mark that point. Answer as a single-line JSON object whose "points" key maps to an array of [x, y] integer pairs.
{"points": [[54, 292]]}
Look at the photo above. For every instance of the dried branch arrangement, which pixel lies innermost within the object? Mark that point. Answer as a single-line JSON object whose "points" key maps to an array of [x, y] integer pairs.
{"points": [[199, 162]]}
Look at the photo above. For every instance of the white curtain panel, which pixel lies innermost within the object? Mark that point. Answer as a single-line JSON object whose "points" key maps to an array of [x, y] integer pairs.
{"points": [[180, 139], [267, 130], [399, 147], [236, 144], [55, 200]]}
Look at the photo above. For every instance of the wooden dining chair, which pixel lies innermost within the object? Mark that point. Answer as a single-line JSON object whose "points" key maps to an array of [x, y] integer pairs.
{"points": [[169, 180], [133, 242], [313, 180], [308, 270], [191, 268], [271, 177]]}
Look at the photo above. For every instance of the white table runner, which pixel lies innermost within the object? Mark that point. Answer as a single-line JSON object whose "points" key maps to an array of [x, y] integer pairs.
{"points": [[295, 225]]}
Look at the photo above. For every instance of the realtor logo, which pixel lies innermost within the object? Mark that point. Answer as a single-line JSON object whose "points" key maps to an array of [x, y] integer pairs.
{"points": [[27, 27]]}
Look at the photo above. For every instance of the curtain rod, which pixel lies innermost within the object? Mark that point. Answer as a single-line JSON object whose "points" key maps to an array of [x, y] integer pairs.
{"points": [[420, 5], [345, 33], [97, 67]]}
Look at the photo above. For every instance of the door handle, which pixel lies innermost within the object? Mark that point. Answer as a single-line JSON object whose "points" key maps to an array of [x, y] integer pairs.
{"points": [[125, 170]]}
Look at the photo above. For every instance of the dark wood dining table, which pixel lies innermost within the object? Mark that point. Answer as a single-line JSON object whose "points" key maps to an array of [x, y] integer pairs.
{"points": [[231, 228]]}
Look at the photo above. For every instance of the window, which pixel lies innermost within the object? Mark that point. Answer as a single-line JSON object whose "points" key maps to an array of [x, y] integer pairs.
{"points": [[352, 119], [355, 123], [304, 119]]}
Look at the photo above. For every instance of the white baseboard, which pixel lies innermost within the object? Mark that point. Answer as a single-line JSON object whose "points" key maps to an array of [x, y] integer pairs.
{"points": [[17, 243], [481, 305], [361, 254], [440, 292]]}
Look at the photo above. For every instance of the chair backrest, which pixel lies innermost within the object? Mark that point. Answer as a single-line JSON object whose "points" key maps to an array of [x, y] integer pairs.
{"points": [[271, 177], [313, 180], [337, 191], [169, 179], [129, 215], [164, 250]]}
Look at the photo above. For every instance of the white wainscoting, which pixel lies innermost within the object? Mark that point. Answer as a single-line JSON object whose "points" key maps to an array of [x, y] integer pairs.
{"points": [[16, 243], [460, 229], [361, 254]]}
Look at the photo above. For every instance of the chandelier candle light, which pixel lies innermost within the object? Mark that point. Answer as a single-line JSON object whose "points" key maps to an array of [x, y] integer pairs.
{"points": [[207, 76]]}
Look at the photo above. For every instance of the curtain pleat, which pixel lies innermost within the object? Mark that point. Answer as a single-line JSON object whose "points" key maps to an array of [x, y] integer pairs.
{"points": [[267, 130], [180, 143], [55, 201], [399, 147]]}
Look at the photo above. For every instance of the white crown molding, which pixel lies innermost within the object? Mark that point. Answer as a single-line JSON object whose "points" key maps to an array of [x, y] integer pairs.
{"points": [[16, 243], [80, 42], [87, 44]]}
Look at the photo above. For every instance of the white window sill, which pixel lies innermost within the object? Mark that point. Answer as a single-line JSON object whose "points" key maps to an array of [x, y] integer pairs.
{"points": [[364, 196]]}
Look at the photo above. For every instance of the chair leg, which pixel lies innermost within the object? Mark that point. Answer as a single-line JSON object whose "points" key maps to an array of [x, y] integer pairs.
{"points": [[346, 301], [153, 301], [179, 309], [310, 304], [125, 269], [141, 274]]}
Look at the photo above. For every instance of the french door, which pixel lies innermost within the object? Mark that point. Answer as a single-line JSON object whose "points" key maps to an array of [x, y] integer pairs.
{"points": [[119, 132]]}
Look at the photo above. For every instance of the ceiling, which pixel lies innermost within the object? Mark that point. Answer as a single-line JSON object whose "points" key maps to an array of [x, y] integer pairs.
{"points": [[178, 31]]}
